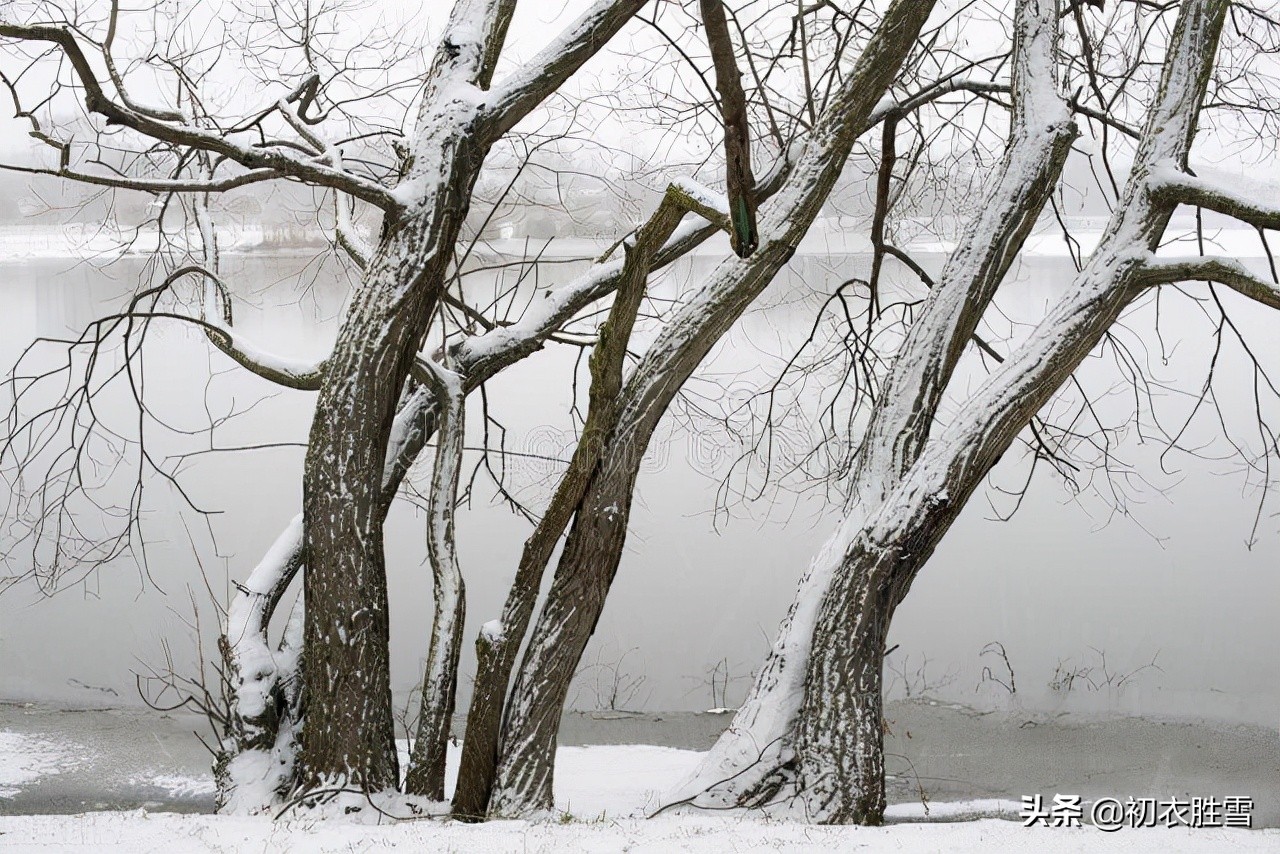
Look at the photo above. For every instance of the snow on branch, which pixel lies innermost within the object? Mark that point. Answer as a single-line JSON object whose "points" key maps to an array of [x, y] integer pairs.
{"points": [[171, 128], [530, 85], [1224, 271], [258, 765], [216, 321], [1246, 199], [1036, 99], [346, 235], [247, 618], [705, 202], [503, 345], [468, 50]]}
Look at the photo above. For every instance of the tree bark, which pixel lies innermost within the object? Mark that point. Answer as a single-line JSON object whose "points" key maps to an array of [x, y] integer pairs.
{"points": [[348, 735], [523, 781], [499, 642], [440, 682]]}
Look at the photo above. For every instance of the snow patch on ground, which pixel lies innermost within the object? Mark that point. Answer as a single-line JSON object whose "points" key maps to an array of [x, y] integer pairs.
{"points": [[954, 810], [25, 759]]}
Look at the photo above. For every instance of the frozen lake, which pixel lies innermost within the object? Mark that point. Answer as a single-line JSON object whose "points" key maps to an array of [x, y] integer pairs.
{"points": [[1068, 586], [947, 753]]}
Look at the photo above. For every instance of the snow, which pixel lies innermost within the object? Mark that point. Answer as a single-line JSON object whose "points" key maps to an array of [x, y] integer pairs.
{"points": [[142, 831], [1236, 187], [702, 195], [25, 759], [602, 794]]}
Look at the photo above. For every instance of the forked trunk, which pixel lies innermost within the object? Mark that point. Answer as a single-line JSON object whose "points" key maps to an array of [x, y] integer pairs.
{"points": [[836, 730]]}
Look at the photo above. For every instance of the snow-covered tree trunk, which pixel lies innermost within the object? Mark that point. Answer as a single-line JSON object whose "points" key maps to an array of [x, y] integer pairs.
{"points": [[809, 729], [348, 734], [440, 682], [258, 765], [595, 542]]}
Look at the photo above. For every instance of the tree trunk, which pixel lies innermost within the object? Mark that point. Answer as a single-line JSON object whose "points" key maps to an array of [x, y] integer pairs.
{"points": [[840, 750], [440, 683], [838, 763], [348, 735], [499, 641], [526, 764]]}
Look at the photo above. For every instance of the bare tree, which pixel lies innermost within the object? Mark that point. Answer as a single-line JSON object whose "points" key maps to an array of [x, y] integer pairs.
{"points": [[346, 736], [812, 726]]}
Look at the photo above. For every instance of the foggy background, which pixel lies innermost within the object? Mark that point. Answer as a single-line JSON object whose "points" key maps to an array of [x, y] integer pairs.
{"points": [[1067, 581]]}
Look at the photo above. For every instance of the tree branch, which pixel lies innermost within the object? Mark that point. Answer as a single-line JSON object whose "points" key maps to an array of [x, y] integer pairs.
{"points": [[529, 86], [151, 185], [1224, 271], [1259, 206], [737, 136], [216, 321], [280, 160]]}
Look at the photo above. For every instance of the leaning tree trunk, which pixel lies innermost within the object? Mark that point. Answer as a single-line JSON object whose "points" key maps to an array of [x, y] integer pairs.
{"points": [[524, 773], [831, 766], [499, 641], [869, 567]]}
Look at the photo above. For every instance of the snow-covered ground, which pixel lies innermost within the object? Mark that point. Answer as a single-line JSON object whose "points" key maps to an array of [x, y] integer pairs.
{"points": [[603, 793], [173, 833]]}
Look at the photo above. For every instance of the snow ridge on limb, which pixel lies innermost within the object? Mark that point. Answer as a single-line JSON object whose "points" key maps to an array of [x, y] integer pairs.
{"points": [[517, 96], [425, 775], [1223, 271], [1248, 200], [1040, 137]]}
